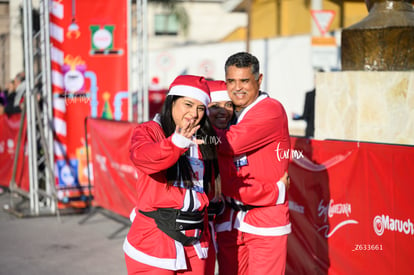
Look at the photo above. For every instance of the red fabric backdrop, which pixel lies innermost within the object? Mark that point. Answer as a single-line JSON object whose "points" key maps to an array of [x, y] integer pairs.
{"points": [[114, 176], [8, 145], [351, 208]]}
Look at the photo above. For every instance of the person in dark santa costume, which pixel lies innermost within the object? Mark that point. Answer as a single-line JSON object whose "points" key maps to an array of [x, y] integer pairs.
{"points": [[253, 155], [176, 169], [221, 111]]}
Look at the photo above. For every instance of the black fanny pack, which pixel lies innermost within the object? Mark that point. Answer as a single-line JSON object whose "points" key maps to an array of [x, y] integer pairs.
{"points": [[172, 221]]}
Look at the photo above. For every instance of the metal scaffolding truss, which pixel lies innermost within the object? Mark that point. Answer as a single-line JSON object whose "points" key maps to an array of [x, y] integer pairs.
{"points": [[139, 106], [37, 114]]}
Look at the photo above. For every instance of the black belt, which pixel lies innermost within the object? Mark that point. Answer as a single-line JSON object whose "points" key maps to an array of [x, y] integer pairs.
{"points": [[214, 209], [172, 221], [240, 207]]}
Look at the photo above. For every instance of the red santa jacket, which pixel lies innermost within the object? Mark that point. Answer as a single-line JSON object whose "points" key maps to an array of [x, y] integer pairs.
{"points": [[152, 153], [253, 156]]}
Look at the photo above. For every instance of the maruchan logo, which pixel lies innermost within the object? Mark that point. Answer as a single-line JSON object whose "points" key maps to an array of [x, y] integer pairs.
{"points": [[382, 223]]}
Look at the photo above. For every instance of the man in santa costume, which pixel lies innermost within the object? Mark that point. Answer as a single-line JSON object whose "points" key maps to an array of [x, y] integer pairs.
{"points": [[252, 233]]}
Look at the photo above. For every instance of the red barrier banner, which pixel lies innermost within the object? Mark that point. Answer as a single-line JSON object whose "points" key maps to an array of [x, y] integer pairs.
{"points": [[9, 133], [350, 203], [114, 175], [90, 78], [350, 206]]}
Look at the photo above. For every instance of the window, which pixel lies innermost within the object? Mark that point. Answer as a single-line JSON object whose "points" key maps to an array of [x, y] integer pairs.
{"points": [[166, 24]]}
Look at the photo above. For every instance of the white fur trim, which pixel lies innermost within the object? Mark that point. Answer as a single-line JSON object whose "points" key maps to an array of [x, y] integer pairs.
{"points": [[262, 231], [166, 263], [181, 141], [189, 91], [282, 192], [213, 234], [226, 226], [132, 215], [219, 96], [260, 98], [202, 252]]}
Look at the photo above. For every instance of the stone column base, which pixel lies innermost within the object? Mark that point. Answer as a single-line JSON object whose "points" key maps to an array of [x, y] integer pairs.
{"points": [[365, 106]]}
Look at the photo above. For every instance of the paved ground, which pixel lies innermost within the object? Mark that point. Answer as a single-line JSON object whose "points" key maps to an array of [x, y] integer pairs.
{"points": [[62, 245]]}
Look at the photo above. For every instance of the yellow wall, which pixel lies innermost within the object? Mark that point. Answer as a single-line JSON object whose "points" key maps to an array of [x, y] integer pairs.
{"points": [[236, 35], [328, 5], [295, 18], [263, 23], [355, 12]]}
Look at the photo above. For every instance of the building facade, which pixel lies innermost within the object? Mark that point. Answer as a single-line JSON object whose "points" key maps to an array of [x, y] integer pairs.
{"points": [[205, 21]]}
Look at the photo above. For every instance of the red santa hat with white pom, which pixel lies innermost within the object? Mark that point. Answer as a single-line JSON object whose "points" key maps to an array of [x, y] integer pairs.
{"points": [[191, 86], [218, 90]]}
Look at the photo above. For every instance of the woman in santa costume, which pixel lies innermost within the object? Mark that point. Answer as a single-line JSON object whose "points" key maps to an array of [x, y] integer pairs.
{"points": [[175, 166]]}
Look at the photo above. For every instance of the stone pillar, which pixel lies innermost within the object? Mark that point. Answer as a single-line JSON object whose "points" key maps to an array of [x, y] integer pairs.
{"points": [[372, 99], [382, 41], [365, 106]]}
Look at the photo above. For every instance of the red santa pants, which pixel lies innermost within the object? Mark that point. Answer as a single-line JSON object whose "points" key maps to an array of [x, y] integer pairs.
{"points": [[211, 260], [195, 265], [242, 253]]}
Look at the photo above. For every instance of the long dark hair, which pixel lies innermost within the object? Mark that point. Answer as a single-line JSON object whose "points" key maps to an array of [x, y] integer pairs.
{"points": [[181, 170]]}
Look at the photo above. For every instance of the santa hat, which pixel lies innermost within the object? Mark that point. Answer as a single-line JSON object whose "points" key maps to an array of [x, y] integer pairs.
{"points": [[218, 90], [191, 86]]}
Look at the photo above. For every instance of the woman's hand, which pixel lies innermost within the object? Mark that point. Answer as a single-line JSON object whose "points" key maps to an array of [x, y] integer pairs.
{"points": [[188, 130]]}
